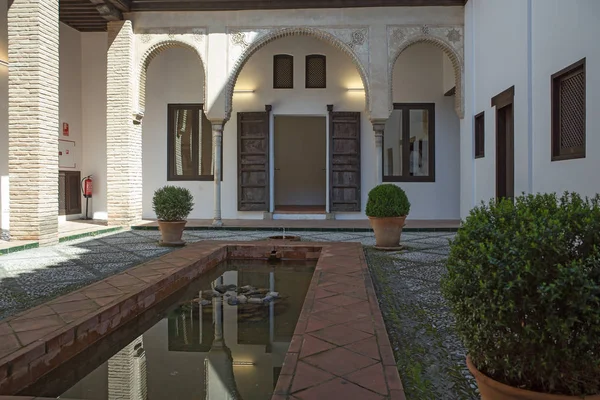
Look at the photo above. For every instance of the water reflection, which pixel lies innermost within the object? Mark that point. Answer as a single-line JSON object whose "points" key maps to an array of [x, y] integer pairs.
{"points": [[209, 347]]}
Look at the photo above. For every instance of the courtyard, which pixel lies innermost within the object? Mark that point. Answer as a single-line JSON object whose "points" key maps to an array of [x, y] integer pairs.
{"points": [[429, 356]]}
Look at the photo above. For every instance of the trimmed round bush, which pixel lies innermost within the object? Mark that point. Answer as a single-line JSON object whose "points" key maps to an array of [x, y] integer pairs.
{"points": [[172, 203], [524, 285], [387, 201]]}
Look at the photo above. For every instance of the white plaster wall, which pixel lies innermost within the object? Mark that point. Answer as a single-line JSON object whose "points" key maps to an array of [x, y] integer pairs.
{"points": [[545, 36], [258, 74], [93, 115], [564, 32], [176, 75], [70, 95], [496, 54], [449, 79], [418, 78], [217, 24], [300, 160], [467, 142]]}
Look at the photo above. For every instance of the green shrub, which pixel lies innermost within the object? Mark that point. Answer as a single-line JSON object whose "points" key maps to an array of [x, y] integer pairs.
{"points": [[172, 203], [387, 201], [524, 285]]}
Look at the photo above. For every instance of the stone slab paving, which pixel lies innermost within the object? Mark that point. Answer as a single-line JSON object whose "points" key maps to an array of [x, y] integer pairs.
{"points": [[430, 357]]}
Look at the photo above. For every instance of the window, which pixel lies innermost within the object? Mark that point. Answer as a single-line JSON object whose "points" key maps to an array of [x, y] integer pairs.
{"points": [[316, 71], [480, 135], [409, 140], [189, 146], [283, 71], [568, 112]]}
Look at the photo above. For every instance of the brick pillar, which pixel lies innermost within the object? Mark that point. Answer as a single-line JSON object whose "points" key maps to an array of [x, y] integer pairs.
{"points": [[123, 137], [33, 120], [378, 129]]}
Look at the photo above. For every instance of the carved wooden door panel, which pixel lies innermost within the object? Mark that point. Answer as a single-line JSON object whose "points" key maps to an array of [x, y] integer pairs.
{"points": [[253, 161], [344, 161]]}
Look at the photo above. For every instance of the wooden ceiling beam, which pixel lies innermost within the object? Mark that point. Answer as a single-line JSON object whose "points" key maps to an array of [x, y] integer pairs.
{"points": [[122, 5], [107, 10], [230, 5]]}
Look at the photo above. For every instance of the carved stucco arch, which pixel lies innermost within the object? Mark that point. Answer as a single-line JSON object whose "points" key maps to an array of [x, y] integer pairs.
{"points": [[404, 41], [273, 35], [153, 45]]}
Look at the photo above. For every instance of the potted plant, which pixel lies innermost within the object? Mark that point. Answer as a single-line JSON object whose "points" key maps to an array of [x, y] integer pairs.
{"points": [[172, 206], [523, 282], [387, 208]]}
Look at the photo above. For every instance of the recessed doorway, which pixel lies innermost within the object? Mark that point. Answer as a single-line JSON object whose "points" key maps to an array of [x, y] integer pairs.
{"points": [[505, 144], [300, 161]]}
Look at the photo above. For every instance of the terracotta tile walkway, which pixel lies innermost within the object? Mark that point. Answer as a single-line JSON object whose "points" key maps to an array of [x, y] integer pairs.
{"points": [[340, 348]]}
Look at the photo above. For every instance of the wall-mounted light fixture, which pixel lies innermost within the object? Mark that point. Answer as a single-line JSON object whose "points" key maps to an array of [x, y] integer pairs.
{"points": [[356, 89], [243, 364], [5, 63], [238, 91]]}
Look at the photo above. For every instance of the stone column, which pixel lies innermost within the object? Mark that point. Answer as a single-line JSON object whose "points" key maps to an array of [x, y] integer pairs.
{"points": [[378, 130], [217, 129], [33, 120], [123, 129]]}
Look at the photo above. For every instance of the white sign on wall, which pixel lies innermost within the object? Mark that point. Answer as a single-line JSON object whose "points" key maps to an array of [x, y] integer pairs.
{"points": [[66, 154]]}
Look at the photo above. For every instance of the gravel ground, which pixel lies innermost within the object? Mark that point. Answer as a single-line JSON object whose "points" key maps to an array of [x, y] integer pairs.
{"points": [[431, 359]]}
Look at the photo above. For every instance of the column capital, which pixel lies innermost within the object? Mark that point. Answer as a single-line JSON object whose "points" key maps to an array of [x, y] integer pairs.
{"points": [[378, 125], [378, 130], [217, 124]]}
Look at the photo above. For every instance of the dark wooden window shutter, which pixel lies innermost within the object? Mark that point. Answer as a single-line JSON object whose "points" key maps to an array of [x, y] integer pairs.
{"points": [[283, 71], [316, 71], [569, 112], [253, 160], [480, 135], [344, 159]]}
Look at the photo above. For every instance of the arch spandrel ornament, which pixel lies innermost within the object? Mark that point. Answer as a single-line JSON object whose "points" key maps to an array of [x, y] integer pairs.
{"points": [[151, 42], [243, 43], [448, 38]]}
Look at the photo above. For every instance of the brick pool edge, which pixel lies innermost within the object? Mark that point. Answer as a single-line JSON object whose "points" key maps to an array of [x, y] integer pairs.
{"points": [[340, 319]]}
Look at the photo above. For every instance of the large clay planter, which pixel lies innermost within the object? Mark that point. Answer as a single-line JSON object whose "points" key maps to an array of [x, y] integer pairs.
{"points": [[493, 390], [171, 233], [387, 231]]}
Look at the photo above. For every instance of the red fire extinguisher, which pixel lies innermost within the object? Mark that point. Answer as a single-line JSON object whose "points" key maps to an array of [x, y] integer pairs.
{"points": [[86, 189]]}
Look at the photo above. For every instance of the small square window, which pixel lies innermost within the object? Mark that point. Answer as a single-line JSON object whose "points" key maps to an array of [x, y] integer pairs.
{"points": [[568, 112], [316, 71], [283, 71], [480, 135]]}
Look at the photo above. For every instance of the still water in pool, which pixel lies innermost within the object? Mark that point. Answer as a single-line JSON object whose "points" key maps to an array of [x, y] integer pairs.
{"points": [[225, 336]]}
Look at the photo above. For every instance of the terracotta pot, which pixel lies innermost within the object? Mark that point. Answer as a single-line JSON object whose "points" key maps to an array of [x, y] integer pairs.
{"points": [[171, 233], [493, 390], [387, 231]]}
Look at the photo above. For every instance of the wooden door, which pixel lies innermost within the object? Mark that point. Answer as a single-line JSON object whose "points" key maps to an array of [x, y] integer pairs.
{"points": [[69, 192], [344, 161], [253, 161], [505, 144]]}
